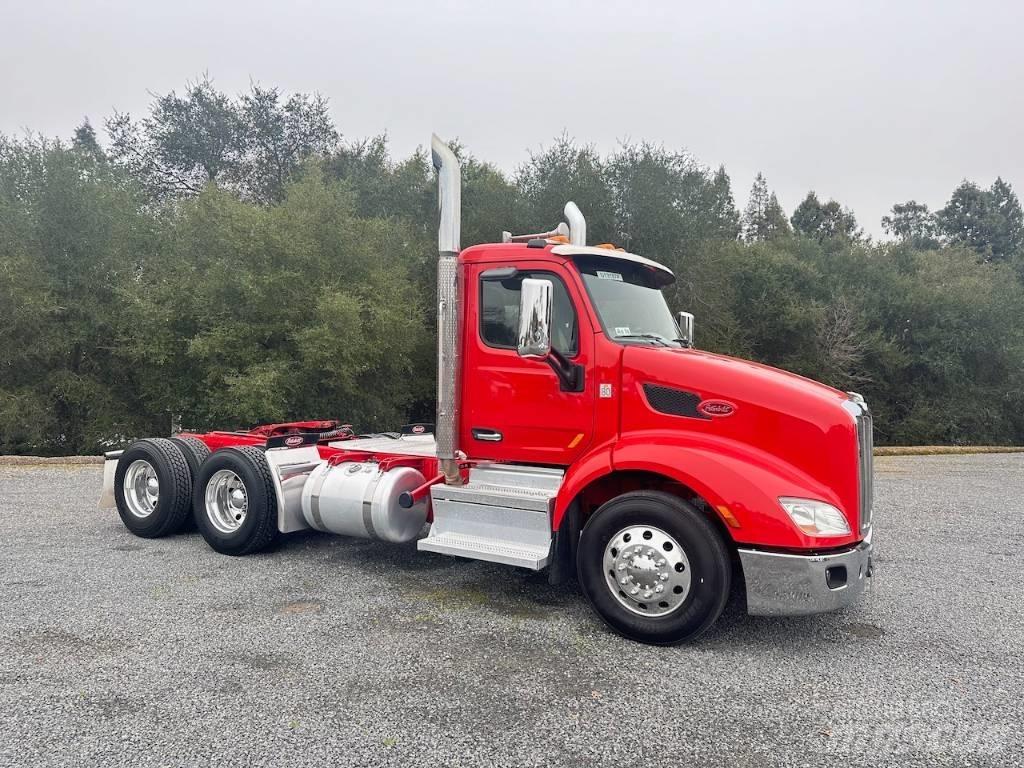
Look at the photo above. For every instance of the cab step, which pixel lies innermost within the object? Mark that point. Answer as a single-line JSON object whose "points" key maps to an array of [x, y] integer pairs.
{"points": [[489, 549], [502, 515]]}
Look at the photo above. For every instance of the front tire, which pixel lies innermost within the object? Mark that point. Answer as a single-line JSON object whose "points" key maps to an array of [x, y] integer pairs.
{"points": [[654, 568], [234, 502], [152, 488]]}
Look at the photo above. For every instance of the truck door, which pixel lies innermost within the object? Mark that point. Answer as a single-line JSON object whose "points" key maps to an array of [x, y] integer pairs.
{"points": [[515, 409]]}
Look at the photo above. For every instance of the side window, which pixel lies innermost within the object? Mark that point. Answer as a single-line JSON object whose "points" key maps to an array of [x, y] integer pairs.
{"points": [[499, 313]]}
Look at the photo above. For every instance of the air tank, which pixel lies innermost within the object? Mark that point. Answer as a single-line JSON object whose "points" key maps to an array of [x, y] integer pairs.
{"points": [[358, 499]]}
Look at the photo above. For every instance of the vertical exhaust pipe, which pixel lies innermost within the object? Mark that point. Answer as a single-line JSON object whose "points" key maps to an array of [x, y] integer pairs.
{"points": [[577, 224], [449, 196]]}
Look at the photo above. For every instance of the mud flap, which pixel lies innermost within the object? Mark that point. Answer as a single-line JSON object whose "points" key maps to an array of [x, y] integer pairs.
{"points": [[109, 468]]}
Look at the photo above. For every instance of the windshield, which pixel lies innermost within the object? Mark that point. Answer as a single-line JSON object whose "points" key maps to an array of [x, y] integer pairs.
{"points": [[631, 308]]}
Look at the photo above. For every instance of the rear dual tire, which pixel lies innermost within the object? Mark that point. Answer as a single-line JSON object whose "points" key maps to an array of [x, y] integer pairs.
{"points": [[153, 488], [234, 501], [195, 452]]}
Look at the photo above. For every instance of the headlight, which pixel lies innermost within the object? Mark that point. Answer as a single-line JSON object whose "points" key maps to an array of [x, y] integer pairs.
{"points": [[815, 518]]}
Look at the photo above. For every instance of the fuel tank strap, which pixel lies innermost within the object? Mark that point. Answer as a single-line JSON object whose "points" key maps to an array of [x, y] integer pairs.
{"points": [[314, 499], [371, 488]]}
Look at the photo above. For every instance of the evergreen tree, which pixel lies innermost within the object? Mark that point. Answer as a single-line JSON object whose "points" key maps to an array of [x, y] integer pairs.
{"points": [[84, 139], [823, 220], [763, 218], [912, 222], [965, 219], [775, 222], [1006, 223], [725, 219]]}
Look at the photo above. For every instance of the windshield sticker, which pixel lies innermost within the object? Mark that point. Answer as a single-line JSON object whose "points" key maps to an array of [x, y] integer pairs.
{"points": [[609, 275], [623, 331]]}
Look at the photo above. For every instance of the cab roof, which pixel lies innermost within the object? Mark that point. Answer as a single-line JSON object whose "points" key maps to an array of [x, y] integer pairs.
{"points": [[477, 253]]}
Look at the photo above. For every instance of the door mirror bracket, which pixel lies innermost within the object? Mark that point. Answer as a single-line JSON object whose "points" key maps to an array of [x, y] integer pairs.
{"points": [[570, 375]]}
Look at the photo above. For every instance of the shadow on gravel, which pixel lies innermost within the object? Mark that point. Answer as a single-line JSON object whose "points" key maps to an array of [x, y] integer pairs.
{"points": [[448, 584]]}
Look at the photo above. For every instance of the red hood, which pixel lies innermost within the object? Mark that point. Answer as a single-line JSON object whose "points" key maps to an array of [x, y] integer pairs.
{"points": [[800, 421]]}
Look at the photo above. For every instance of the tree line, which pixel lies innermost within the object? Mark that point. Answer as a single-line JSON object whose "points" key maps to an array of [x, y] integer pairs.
{"points": [[225, 260]]}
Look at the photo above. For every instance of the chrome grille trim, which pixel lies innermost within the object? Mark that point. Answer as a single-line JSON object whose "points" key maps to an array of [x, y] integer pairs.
{"points": [[866, 466]]}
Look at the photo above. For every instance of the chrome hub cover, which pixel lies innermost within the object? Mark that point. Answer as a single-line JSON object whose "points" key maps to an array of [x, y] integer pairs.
{"points": [[226, 501], [141, 488], [646, 570]]}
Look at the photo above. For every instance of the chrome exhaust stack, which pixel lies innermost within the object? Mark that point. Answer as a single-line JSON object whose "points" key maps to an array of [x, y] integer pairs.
{"points": [[449, 189], [577, 224]]}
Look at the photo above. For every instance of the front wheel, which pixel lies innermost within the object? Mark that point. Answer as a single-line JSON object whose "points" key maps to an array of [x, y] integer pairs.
{"points": [[653, 567]]}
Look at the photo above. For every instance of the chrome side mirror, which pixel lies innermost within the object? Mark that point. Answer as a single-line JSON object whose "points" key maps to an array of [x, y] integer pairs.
{"points": [[535, 318], [685, 322]]}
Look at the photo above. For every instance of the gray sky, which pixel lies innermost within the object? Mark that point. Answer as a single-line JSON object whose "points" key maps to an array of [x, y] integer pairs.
{"points": [[869, 102]]}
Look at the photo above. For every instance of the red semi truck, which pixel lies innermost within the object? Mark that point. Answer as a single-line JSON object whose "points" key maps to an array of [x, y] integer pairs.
{"points": [[577, 430]]}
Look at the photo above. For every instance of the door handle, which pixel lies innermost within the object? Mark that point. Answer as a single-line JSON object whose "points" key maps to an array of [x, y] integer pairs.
{"points": [[487, 435]]}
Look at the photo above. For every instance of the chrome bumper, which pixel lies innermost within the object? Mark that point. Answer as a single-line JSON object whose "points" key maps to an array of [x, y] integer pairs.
{"points": [[798, 585]]}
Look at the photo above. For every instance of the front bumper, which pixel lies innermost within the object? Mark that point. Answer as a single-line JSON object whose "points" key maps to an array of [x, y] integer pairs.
{"points": [[797, 585]]}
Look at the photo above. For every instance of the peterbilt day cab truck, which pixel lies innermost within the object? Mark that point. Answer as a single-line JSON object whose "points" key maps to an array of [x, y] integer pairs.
{"points": [[577, 430]]}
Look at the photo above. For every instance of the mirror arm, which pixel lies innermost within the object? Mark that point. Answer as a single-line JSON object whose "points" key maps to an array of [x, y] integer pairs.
{"points": [[569, 375]]}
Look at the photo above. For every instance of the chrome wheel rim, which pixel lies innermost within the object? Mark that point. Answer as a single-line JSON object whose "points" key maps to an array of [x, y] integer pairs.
{"points": [[141, 488], [646, 570], [226, 501]]}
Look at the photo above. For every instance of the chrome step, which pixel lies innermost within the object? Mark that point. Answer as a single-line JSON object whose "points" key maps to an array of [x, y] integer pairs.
{"points": [[479, 548], [496, 496], [503, 515], [517, 476]]}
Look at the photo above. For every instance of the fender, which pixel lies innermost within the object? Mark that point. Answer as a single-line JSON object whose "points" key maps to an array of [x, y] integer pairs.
{"points": [[594, 464], [745, 479]]}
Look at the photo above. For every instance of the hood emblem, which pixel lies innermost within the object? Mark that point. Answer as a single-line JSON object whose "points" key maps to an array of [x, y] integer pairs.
{"points": [[717, 408]]}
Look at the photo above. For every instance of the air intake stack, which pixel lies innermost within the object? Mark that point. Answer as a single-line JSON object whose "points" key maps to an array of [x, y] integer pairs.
{"points": [[577, 224]]}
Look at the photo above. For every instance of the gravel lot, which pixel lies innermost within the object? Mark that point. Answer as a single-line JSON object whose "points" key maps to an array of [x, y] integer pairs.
{"points": [[122, 651]]}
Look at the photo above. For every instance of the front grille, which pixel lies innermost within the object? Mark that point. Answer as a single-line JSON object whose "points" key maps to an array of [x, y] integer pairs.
{"points": [[866, 467]]}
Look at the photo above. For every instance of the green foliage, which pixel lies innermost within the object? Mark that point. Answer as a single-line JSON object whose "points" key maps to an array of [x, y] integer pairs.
{"points": [[563, 172], [988, 221], [823, 221], [228, 261], [254, 143], [912, 223], [69, 236], [763, 218]]}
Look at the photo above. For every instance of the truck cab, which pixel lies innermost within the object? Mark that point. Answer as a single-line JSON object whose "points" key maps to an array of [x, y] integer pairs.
{"points": [[578, 430]]}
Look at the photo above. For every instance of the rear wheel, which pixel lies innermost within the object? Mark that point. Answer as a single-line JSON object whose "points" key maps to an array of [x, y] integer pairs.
{"points": [[195, 452], [234, 502], [653, 567], [152, 485]]}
